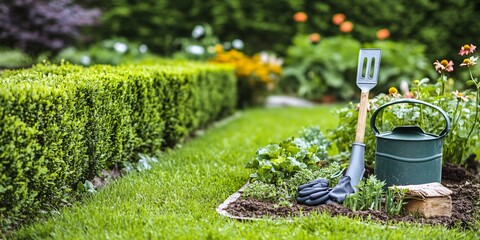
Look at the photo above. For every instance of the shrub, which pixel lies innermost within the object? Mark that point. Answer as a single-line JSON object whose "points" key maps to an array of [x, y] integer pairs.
{"points": [[62, 124], [330, 66], [14, 58], [38, 25]]}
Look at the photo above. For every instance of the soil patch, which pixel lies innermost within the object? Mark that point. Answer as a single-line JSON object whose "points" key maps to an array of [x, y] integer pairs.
{"points": [[464, 185]]}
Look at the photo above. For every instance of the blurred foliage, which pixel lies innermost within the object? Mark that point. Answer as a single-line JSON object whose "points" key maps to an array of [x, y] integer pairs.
{"points": [[14, 58], [40, 25], [111, 51], [200, 46], [269, 24], [314, 69], [330, 66], [230, 19], [256, 75]]}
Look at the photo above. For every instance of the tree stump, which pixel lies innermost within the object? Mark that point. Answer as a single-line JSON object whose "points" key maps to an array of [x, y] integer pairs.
{"points": [[428, 200]]}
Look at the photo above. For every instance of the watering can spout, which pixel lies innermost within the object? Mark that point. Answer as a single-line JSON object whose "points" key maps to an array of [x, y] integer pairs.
{"points": [[356, 167]]}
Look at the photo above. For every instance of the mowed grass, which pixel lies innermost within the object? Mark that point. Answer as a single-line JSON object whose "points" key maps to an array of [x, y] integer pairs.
{"points": [[177, 198]]}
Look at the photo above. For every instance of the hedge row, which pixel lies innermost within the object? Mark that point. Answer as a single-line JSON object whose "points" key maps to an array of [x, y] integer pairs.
{"points": [[63, 124]]}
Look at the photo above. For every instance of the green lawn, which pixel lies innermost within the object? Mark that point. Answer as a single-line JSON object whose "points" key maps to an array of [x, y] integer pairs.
{"points": [[177, 198]]}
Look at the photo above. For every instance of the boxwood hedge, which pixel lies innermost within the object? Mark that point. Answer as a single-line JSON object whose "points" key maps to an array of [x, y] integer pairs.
{"points": [[63, 124]]}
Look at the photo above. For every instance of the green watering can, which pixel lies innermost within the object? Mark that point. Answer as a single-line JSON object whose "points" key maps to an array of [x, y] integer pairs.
{"points": [[407, 155]]}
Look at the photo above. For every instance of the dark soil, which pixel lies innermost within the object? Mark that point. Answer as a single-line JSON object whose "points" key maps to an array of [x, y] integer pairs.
{"points": [[463, 183]]}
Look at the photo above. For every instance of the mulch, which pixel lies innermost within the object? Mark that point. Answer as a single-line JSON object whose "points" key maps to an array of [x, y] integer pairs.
{"points": [[464, 185]]}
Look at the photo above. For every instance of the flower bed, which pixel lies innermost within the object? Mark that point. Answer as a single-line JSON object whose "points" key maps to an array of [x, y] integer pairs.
{"points": [[464, 200]]}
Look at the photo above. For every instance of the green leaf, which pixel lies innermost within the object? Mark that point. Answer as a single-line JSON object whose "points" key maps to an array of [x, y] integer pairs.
{"points": [[269, 152], [88, 186]]}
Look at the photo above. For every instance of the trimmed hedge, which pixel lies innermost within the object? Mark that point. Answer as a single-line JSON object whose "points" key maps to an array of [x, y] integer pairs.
{"points": [[63, 124]]}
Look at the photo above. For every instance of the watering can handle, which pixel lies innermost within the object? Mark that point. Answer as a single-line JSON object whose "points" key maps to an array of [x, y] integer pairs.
{"points": [[413, 101]]}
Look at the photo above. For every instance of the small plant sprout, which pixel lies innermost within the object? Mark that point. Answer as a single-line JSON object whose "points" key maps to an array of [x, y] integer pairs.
{"points": [[369, 195], [394, 200]]}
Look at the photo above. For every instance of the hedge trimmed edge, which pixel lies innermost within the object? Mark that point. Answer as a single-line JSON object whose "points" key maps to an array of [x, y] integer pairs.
{"points": [[63, 124]]}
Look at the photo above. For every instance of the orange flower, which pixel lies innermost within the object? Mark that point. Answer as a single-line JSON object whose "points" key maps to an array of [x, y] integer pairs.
{"points": [[300, 17], [346, 26], [338, 18], [314, 37], [383, 34]]}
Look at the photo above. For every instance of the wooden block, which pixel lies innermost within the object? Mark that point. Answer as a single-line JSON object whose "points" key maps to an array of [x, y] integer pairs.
{"points": [[430, 207], [428, 200]]}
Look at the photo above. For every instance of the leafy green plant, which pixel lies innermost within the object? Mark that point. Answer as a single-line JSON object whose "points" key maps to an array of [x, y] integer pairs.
{"points": [[394, 200], [312, 70], [87, 186], [371, 195], [281, 168], [330, 66], [285, 192], [276, 162]]}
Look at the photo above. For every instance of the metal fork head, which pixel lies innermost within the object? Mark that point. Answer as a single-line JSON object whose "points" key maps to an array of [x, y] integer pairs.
{"points": [[368, 68]]}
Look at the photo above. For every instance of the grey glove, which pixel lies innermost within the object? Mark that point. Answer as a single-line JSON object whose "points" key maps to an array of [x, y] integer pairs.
{"points": [[317, 192]]}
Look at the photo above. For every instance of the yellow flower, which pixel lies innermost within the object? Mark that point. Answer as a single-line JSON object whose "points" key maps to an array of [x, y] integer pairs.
{"points": [[392, 91], [218, 48], [261, 69]]}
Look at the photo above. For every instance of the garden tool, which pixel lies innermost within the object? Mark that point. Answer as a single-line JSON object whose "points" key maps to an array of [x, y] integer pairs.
{"points": [[407, 155], [317, 192]]}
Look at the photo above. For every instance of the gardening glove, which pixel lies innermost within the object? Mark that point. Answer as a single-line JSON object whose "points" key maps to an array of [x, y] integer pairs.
{"points": [[317, 192], [314, 193], [341, 190]]}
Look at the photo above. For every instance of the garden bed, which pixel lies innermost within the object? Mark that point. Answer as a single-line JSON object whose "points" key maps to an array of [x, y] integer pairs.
{"points": [[464, 185]]}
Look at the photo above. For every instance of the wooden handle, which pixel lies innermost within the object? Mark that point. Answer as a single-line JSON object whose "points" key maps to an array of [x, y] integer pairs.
{"points": [[362, 117]]}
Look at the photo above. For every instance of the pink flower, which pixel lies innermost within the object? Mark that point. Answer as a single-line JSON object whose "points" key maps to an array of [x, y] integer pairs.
{"points": [[443, 66], [467, 49]]}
